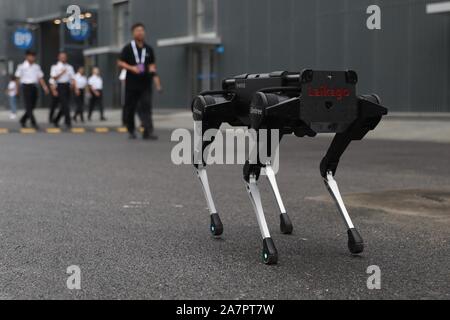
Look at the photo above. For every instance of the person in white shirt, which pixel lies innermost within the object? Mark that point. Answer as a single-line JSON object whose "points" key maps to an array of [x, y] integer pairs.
{"points": [[80, 84], [29, 74], [95, 83], [12, 93], [63, 73]]}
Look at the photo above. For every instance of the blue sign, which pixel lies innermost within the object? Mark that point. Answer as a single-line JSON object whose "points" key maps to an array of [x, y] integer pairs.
{"points": [[82, 33], [220, 49], [23, 38]]}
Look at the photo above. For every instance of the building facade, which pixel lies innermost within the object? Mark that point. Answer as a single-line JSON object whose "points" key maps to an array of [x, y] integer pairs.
{"points": [[199, 42]]}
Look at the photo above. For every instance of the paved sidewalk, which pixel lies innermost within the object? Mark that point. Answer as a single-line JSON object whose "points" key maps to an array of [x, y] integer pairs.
{"points": [[395, 127], [164, 119]]}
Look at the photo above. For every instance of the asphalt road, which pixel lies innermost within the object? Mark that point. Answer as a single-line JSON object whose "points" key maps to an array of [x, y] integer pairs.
{"points": [[137, 225]]}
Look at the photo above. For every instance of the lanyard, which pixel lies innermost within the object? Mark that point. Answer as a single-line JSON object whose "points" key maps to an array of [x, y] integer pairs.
{"points": [[136, 53]]}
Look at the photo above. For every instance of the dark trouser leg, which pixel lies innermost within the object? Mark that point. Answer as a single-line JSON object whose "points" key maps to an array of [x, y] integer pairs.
{"points": [[58, 116], [124, 115], [91, 107], [26, 102], [100, 105], [82, 97], [53, 108], [146, 111], [64, 96], [80, 106], [30, 98], [131, 101], [77, 109], [92, 104], [33, 101]]}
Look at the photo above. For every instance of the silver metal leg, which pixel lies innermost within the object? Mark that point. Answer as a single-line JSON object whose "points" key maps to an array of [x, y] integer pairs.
{"points": [[203, 176], [198, 143], [273, 182], [255, 198], [336, 194]]}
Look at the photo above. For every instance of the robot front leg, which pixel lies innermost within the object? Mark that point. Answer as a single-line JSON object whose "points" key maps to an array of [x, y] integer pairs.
{"points": [[370, 116], [216, 226], [355, 241], [210, 110], [328, 170], [286, 226], [269, 252]]}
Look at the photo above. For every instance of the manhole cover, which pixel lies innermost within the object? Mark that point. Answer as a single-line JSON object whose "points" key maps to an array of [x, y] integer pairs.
{"points": [[428, 203]]}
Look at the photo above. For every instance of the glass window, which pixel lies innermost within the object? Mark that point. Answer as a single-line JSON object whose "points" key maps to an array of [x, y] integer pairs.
{"points": [[121, 22], [206, 16]]}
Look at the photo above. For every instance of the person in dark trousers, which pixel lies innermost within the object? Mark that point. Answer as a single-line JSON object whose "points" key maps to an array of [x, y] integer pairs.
{"points": [[80, 84], [54, 103], [138, 59], [63, 73], [95, 83], [29, 74]]}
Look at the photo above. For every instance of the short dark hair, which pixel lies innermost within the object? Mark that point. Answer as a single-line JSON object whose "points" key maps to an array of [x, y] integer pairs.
{"points": [[137, 25], [30, 53]]}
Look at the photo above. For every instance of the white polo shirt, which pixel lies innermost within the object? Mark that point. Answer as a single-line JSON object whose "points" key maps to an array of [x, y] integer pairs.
{"points": [[12, 89], [60, 67], [29, 73], [96, 82], [80, 81]]}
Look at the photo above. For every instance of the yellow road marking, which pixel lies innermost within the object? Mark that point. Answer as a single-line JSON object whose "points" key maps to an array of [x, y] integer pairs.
{"points": [[78, 130], [53, 130], [101, 130], [28, 131], [4, 131], [122, 130]]}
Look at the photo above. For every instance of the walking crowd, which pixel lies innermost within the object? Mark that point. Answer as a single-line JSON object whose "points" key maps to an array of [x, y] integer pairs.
{"points": [[62, 85], [137, 61]]}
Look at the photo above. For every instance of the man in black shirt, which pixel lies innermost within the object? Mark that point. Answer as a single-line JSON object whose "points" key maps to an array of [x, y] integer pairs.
{"points": [[138, 59]]}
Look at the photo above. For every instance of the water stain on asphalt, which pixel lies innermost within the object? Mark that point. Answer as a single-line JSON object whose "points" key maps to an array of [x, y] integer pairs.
{"points": [[415, 202]]}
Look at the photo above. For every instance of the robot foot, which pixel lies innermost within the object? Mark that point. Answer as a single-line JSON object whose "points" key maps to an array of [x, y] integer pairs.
{"points": [[216, 227], [269, 253], [286, 226], [355, 242]]}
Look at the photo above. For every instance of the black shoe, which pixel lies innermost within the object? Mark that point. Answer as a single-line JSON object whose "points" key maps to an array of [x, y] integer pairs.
{"points": [[103, 119], [148, 136], [132, 136], [36, 127]]}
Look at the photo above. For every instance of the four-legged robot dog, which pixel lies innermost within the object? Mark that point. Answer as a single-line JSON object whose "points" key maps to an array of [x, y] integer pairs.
{"points": [[303, 104]]}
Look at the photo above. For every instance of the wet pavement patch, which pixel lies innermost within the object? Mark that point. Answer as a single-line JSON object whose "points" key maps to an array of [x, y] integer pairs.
{"points": [[417, 202]]}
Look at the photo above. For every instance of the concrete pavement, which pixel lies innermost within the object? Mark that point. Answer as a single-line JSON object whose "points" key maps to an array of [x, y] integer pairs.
{"points": [[397, 127], [137, 225]]}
